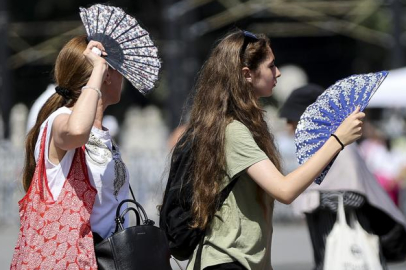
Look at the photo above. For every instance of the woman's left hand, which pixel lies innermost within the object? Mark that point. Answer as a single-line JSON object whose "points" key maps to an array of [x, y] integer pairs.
{"points": [[350, 129]]}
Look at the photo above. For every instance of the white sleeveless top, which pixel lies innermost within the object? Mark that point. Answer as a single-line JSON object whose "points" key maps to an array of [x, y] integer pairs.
{"points": [[100, 160]]}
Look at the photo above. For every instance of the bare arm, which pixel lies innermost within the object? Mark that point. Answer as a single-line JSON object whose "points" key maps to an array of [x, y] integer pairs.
{"points": [[72, 131], [286, 188]]}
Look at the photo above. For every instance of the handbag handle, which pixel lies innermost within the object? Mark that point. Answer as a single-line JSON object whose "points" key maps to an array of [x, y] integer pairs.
{"points": [[120, 220], [146, 219], [120, 217], [139, 206]]}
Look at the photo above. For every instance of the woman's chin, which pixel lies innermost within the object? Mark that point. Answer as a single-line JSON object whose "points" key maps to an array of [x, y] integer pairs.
{"points": [[266, 95]]}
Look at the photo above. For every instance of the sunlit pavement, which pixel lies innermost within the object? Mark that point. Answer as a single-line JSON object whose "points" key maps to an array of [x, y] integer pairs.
{"points": [[291, 248]]}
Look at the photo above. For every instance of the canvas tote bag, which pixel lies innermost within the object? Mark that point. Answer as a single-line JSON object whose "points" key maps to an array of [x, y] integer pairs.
{"points": [[350, 248]]}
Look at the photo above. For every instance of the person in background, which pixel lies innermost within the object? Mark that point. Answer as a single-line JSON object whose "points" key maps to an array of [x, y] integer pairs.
{"points": [[376, 150], [229, 137], [350, 177], [85, 176], [37, 105]]}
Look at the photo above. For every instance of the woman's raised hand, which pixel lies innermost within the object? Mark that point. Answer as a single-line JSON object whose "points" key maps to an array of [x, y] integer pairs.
{"points": [[92, 56], [350, 129]]}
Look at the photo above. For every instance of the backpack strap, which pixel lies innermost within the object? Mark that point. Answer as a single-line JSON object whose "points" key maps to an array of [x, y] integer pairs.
{"points": [[198, 260], [226, 191], [223, 196]]}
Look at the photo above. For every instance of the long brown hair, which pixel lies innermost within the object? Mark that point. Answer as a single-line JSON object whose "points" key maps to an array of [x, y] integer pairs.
{"points": [[222, 95], [71, 72]]}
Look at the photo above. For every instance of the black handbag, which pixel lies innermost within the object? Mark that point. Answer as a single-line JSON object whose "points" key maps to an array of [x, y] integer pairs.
{"points": [[143, 246]]}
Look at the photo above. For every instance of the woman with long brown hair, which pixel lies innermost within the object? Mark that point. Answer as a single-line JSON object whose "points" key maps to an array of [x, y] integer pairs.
{"points": [[229, 137], [73, 174]]}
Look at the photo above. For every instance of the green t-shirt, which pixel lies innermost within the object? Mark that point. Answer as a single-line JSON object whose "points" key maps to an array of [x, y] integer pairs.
{"points": [[242, 229]]}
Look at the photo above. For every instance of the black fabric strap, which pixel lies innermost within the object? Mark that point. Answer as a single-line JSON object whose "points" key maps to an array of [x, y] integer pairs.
{"points": [[198, 260], [132, 193]]}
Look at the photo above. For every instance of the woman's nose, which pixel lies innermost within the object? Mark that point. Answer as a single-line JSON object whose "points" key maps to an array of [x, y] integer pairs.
{"points": [[278, 73]]}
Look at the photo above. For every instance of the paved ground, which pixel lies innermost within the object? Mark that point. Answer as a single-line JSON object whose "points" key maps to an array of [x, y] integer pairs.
{"points": [[8, 236], [290, 248]]}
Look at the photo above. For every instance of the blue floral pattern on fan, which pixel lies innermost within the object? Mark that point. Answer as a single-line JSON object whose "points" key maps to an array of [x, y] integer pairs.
{"points": [[323, 117], [129, 47]]}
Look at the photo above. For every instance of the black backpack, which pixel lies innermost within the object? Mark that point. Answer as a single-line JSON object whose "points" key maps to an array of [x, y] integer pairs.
{"points": [[175, 213]]}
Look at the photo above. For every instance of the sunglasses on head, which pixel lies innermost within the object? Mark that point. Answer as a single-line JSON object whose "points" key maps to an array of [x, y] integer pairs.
{"points": [[248, 38], [248, 34]]}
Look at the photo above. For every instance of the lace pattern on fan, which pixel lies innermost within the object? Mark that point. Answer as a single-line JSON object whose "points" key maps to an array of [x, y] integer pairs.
{"points": [[129, 47], [323, 117]]}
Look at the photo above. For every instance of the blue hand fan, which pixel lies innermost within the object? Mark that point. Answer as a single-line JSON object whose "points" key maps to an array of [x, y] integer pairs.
{"points": [[129, 47], [323, 117]]}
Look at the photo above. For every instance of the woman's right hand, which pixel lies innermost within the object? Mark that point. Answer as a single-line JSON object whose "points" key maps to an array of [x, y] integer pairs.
{"points": [[350, 129], [93, 57]]}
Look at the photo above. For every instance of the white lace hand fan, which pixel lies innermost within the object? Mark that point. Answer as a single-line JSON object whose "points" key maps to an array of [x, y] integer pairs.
{"points": [[129, 47]]}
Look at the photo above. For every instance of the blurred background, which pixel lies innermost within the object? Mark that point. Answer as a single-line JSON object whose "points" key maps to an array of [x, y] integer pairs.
{"points": [[316, 41]]}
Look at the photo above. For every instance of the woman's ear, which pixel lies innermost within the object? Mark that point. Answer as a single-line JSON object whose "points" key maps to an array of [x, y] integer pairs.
{"points": [[246, 72]]}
